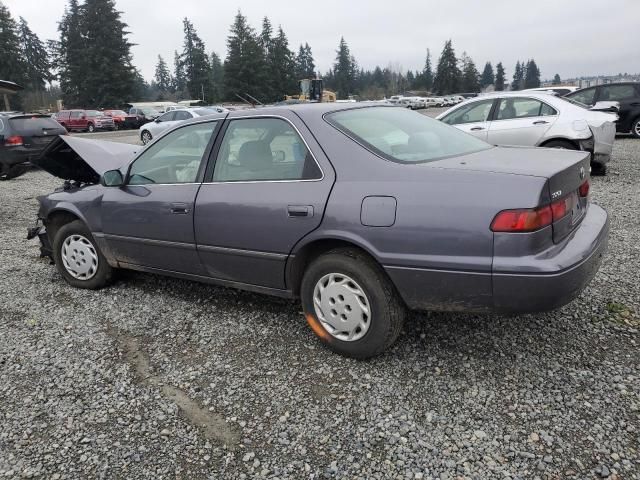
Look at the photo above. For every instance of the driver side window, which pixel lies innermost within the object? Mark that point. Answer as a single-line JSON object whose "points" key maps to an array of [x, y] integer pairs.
{"points": [[174, 158], [472, 113]]}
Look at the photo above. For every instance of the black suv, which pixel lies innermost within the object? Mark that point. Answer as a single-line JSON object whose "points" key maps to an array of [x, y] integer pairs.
{"points": [[23, 136], [626, 93]]}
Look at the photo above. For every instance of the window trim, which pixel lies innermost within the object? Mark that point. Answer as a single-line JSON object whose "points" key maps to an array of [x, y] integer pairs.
{"points": [[489, 115], [494, 114], [204, 160], [208, 178]]}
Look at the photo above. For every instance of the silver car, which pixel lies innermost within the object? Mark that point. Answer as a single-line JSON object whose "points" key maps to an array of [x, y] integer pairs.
{"points": [[537, 120], [170, 119]]}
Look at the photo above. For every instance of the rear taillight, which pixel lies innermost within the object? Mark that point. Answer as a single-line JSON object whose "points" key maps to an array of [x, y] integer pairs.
{"points": [[13, 141], [532, 219], [584, 189], [525, 220]]}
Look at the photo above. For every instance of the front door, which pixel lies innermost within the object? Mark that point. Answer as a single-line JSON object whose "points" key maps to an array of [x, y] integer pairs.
{"points": [[521, 121], [268, 189], [149, 221], [472, 118]]}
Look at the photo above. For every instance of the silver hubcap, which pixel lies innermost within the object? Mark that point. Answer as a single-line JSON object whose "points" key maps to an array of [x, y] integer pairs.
{"points": [[342, 307], [79, 257], [146, 137], [638, 128]]}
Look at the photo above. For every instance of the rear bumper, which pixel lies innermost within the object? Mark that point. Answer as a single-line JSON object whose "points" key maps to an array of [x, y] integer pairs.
{"points": [[560, 275], [17, 155], [537, 283]]}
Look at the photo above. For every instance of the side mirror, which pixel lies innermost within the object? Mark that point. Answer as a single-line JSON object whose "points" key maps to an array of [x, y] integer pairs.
{"points": [[157, 120], [112, 178]]}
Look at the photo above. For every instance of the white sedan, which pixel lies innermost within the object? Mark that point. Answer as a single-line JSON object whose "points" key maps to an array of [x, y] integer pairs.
{"points": [[537, 120], [164, 122]]}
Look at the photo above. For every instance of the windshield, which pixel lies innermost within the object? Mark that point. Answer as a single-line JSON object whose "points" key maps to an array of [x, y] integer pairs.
{"points": [[93, 113], [150, 111], [404, 136]]}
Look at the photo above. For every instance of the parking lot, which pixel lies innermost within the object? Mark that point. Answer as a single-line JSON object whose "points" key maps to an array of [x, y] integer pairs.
{"points": [[162, 378]]}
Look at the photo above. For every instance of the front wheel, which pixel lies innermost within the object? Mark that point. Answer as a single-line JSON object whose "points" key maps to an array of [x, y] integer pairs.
{"points": [[78, 257], [145, 137], [351, 304], [635, 128], [91, 128]]}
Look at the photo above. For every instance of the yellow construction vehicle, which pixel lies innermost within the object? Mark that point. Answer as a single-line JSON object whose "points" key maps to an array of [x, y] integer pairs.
{"points": [[311, 90]]}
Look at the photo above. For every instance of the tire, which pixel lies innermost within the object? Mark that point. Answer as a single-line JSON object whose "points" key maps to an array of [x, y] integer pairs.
{"points": [[364, 283], [598, 169], [635, 128], [91, 128], [116, 127], [76, 234], [561, 144], [146, 137]]}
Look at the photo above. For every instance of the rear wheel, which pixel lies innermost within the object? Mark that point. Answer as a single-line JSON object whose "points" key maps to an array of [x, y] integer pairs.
{"points": [[78, 257], [145, 137], [635, 128], [351, 304], [598, 169], [91, 128]]}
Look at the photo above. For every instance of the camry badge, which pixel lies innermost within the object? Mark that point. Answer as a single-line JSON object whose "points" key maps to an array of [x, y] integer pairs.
{"points": [[581, 173]]}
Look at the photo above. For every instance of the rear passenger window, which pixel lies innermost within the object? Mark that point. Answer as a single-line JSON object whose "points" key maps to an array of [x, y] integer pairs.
{"points": [[547, 110], [511, 108], [617, 92], [261, 150]]}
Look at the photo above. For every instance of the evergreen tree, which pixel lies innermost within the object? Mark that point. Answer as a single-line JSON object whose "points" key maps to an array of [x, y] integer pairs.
{"points": [[195, 61], [488, 77], [179, 79], [68, 55], [217, 77], [500, 77], [266, 35], [305, 66], [12, 65], [162, 76], [448, 73], [35, 57], [244, 67], [470, 78], [556, 79], [518, 76], [532, 75], [428, 72], [344, 70], [281, 63]]}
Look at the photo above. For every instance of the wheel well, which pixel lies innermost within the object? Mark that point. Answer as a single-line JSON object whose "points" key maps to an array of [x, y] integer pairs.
{"points": [[56, 220], [309, 253], [575, 144]]}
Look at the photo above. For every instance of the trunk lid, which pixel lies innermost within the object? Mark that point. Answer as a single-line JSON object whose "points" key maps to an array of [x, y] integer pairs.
{"points": [[37, 131], [564, 170], [83, 160]]}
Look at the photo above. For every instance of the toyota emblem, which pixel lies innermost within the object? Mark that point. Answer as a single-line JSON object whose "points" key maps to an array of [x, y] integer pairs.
{"points": [[581, 173]]}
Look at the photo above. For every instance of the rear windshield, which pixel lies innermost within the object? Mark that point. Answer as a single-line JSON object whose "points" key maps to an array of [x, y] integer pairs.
{"points": [[404, 136], [32, 124], [149, 111]]}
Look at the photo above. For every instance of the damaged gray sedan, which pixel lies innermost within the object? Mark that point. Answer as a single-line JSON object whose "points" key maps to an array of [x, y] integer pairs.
{"points": [[361, 211]]}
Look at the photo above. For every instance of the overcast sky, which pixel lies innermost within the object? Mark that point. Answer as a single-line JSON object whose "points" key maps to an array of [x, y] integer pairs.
{"points": [[569, 37]]}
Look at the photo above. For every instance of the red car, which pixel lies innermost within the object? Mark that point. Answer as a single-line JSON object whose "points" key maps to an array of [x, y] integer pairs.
{"points": [[84, 120], [122, 119]]}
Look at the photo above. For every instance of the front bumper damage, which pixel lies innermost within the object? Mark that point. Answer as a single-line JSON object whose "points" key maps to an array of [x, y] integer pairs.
{"points": [[40, 231]]}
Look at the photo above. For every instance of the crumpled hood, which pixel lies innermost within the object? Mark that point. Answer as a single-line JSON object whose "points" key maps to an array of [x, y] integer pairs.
{"points": [[84, 160]]}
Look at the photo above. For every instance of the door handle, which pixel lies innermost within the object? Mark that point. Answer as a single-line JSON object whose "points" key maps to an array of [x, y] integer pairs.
{"points": [[180, 208], [475, 129], [300, 211], [540, 122]]}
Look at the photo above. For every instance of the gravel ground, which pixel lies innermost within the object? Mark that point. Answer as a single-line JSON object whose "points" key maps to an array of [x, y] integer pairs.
{"points": [[162, 378]]}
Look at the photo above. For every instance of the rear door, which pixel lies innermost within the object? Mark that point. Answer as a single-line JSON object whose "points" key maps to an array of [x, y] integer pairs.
{"points": [[472, 118], [75, 120], [267, 189], [521, 121], [629, 99]]}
